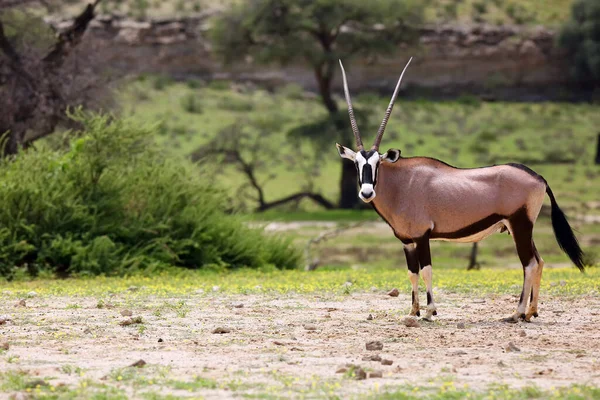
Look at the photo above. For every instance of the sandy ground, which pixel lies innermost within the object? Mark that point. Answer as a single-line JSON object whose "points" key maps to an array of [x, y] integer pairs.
{"points": [[290, 344]]}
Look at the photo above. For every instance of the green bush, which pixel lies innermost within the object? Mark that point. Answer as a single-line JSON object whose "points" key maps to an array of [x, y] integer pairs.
{"points": [[112, 204], [581, 38]]}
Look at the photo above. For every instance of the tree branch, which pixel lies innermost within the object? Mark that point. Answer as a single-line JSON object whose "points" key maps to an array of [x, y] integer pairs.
{"points": [[70, 38], [317, 198]]}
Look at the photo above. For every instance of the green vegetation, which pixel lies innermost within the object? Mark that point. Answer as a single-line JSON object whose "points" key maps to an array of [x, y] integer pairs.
{"points": [[324, 280], [496, 11], [581, 37], [555, 139], [110, 203]]}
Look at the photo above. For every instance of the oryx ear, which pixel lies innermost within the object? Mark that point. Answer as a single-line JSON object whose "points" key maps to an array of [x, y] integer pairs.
{"points": [[391, 156], [345, 152]]}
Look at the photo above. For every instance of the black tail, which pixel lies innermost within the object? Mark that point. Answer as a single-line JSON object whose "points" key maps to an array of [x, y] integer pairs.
{"points": [[564, 233]]}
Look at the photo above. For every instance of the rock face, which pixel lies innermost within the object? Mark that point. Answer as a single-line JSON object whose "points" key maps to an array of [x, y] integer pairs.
{"points": [[448, 59]]}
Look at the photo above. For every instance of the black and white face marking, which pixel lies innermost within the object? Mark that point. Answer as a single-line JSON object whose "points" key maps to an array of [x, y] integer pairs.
{"points": [[367, 165]]}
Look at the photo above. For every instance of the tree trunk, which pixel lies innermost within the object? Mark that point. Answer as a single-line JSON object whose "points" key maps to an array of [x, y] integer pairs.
{"points": [[473, 264], [598, 151], [348, 179]]}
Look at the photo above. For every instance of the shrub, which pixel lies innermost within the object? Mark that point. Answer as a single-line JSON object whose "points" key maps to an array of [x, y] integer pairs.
{"points": [[191, 104], [112, 204], [581, 38]]}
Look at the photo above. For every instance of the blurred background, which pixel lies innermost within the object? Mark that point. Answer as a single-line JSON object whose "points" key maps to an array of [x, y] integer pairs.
{"points": [[130, 125]]}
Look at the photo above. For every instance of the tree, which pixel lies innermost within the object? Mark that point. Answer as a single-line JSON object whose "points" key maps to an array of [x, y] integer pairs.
{"points": [[37, 85], [581, 38], [256, 156], [319, 32]]}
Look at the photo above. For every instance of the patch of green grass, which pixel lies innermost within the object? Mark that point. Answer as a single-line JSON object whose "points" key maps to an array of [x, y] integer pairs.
{"points": [[449, 392], [175, 282], [555, 139]]}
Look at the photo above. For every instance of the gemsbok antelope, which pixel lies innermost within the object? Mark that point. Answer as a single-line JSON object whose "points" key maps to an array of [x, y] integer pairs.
{"points": [[425, 199]]}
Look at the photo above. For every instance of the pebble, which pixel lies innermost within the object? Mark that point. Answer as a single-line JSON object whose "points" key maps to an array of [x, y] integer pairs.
{"points": [[374, 345], [386, 362], [511, 347], [370, 317], [133, 288], [394, 292], [221, 330], [138, 364], [4, 346], [160, 340], [21, 303], [376, 357], [411, 322], [126, 313], [376, 374], [4, 319], [216, 288], [522, 333], [460, 325], [310, 327], [31, 294], [238, 305]]}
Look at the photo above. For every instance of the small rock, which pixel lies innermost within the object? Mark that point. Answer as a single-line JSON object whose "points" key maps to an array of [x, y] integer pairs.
{"points": [[31, 295], [87, 330], [138, 364], [359, 373], [386, 362], [411, 322], [511, 347], [133, 288], [126, 313], [278, 343], [238, 305], [545, 372], [347, 284], [374, 289], [376, 374], [330, 309], [310, 327], [221, 330], [160, 340], [376, 357], [4, 319], [131, 321], [4, 346], [341, 370], [580, 356], [460, 325], [216, 288], [553, 284], [296, 349], [522, 333], [370, 318], [21, 303], [374, 345], [562, 283], [394, 292]]}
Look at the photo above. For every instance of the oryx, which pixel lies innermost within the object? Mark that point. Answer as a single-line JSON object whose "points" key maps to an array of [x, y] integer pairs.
{"points": [[425, 199]]}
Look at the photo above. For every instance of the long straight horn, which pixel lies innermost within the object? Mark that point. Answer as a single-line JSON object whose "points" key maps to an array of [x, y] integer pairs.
{"points": [[359, 144], [388, 112]]}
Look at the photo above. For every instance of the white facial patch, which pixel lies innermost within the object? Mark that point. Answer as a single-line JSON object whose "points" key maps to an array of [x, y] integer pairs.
{"points": [[360, 162]]}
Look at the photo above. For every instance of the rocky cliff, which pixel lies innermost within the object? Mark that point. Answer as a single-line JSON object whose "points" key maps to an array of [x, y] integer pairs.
{"points": [[500, 61]]}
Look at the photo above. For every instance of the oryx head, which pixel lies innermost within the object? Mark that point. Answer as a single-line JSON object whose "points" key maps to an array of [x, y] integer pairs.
{"points": [[367, 162]]}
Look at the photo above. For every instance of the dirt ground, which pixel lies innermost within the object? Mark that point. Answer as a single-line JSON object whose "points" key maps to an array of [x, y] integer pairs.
{"points": [[290, 344]]}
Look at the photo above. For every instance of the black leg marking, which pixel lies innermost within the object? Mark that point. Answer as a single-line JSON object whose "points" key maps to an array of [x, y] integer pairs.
{"points": [[429, 298], [412, 260], [522, 229]]}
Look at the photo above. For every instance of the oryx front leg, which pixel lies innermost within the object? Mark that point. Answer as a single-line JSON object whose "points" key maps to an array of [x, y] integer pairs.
{"points": [[412, 261], [522, 230], [424, 254]]}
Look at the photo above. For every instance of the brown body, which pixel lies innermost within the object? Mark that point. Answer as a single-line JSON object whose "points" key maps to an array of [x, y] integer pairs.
{"points": [[419, 195]]}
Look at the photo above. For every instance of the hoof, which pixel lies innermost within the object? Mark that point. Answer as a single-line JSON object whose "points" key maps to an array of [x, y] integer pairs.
{"points": [[418, 313], [435, 313], [522, 316], [535, 314], [427, 319]]}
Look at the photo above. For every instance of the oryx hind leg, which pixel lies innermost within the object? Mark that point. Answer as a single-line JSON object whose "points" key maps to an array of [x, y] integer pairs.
{"points": [[424, 253], [521, 228], [412, 261], [535, 290]]}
